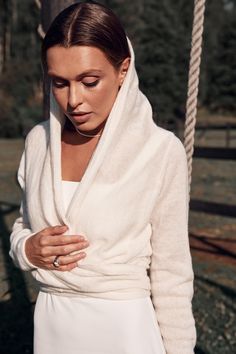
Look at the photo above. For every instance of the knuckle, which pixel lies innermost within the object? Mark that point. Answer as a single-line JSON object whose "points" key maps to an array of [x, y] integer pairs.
{"points": [[47, 261], [67, 261], [43, 252], [65, 250], [42, 241], [78, 247], [75, 248], [83, 245], [44, 231], [81, 254], [61, 261], [64, 240]]}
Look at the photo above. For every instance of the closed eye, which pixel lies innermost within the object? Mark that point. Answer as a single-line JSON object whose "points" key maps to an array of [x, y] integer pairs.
{"points": [[91, 84], [58, 84], [61, 84]]}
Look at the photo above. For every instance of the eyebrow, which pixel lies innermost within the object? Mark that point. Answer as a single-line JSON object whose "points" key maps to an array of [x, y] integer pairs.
{"points": [[78, 77]]}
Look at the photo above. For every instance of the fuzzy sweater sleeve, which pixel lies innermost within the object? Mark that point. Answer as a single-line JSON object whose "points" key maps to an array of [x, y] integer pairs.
{"points": [[21, 229], [171, 272]]}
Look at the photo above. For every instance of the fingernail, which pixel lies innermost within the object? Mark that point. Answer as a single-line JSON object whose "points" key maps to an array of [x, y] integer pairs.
{"points": [[81, 258], [83, 238]]}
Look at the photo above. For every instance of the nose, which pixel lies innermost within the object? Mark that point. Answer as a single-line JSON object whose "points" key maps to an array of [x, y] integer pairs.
{"points": [[74, 96]]}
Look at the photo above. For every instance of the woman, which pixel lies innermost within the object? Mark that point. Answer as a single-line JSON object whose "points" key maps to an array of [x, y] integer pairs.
{"points": [[104, 217]]}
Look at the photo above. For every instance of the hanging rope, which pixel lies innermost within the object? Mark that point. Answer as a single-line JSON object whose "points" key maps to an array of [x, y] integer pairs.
{"points": [[193, 82]]}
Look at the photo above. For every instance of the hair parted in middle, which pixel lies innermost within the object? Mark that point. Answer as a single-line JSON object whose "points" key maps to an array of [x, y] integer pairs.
{"points": [[88, 24]]}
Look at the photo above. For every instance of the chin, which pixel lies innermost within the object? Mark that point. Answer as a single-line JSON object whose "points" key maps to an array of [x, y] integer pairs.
{"points": [[90, 126]]}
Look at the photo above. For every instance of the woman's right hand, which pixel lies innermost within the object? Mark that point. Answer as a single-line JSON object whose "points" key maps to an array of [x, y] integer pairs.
{"points": [[42, 248]]}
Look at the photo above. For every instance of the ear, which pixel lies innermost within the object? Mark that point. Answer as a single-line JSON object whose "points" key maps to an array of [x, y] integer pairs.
{"points": [[123, 70]]}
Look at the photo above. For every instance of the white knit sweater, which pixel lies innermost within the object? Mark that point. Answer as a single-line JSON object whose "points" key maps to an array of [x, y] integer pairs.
{"points": [[132, 205]]}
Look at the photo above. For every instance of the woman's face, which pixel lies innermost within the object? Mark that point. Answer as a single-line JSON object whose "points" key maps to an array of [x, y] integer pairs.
{"points": [[85, 84]]}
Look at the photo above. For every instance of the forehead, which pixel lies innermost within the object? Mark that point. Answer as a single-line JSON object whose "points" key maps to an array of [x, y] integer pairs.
{"points": [[76, 59]]}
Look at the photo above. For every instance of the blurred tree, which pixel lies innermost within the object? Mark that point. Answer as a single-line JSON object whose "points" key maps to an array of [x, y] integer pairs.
{"points": [[222, 75], [156, 58], [213, 21], [5, 31], [19, 87], [217, 90], [161, 35], [51, 8], [184, 22]]}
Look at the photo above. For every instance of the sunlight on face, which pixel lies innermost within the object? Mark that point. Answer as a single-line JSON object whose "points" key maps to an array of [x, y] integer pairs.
{"points": [[83, 81]]}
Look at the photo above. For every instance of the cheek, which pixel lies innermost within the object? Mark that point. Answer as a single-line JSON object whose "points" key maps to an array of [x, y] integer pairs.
{"points": [[60, 97], [104, 98]]}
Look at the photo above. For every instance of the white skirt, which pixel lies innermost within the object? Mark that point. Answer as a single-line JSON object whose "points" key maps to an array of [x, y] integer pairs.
{"points": [[73, 325]]}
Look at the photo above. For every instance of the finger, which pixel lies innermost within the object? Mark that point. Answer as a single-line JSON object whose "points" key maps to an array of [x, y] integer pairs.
{"points": [[54, 230], [62, 240], [65, 250], [65, 268], [65, 260]]}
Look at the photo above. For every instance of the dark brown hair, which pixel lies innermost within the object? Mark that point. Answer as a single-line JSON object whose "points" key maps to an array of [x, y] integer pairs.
{"points": [[89, 24]]}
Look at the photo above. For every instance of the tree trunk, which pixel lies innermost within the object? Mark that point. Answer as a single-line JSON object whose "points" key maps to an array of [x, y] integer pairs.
{"points": [[6, 36], [49, 10]]}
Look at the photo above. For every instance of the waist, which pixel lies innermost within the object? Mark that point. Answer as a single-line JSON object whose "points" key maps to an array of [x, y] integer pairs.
{"points": [[107, 295], [117, 282]]}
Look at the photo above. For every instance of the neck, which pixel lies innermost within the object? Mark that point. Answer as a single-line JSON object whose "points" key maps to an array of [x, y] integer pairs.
{"points": [[84, 135]]}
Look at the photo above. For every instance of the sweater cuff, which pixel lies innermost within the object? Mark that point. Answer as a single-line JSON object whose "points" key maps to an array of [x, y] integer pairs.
{"points": [[25, 262], [19, 256]]}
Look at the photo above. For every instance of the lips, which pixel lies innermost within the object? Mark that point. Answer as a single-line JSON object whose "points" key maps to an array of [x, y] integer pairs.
{"points": [[80, 117], [78, 113]]}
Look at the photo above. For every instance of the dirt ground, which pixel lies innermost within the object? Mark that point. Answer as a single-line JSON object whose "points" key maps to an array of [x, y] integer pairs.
{"points": [[213, 243], [213, 249]]}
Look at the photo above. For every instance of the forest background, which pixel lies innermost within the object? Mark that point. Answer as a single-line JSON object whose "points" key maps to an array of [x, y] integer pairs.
{"points": [[160, 31]]}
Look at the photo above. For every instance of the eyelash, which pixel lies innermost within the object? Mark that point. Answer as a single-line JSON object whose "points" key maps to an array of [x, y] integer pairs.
{"points": [[90, 84]]}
